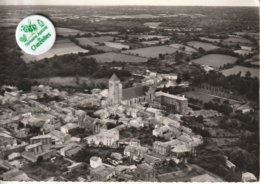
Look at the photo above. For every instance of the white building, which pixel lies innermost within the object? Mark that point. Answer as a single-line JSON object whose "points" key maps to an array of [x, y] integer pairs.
{"points": [[95, 162]]}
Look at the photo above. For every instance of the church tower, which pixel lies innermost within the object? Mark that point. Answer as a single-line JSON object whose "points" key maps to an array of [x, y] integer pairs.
{"points": [[114, 90]]}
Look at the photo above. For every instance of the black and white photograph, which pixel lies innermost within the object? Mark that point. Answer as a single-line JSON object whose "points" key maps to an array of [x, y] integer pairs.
{"points": [[129, 91]]}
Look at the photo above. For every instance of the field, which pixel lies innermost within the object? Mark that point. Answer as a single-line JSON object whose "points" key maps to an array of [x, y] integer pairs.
{"points": [[215, 60], [236, 69], [211, 39], [180, 46], [152, 24], [205, 46], [86, 42], [236, 40], [151, 52], [119, 57], [61, 47], [101, 39], [68, 32]]}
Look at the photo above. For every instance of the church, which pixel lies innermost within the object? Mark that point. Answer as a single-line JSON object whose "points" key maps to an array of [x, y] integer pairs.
{"points": [[128, 96], [142, 93]]}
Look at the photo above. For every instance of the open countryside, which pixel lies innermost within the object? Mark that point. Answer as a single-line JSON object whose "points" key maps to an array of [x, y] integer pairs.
{"points": [[119, 57], [151, 52], [236, 69], [61, 47], [215, 60]]}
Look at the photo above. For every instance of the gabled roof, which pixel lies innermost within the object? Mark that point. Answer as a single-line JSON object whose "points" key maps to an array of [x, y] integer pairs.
{"points": [[114, 78], [134, 92]]}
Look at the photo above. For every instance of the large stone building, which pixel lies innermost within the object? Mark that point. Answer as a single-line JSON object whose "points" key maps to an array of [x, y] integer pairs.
{"points": [[128, 96], [139, 94]]}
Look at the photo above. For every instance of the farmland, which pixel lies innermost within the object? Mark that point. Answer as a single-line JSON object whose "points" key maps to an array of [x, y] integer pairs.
{"points": [[236, 40], [86, 42], [211, 39], [205, 46], [68, 32], [236, 69], [215, 60], [151, 52], [101, 39], [186, 48], [61, 47], [119, 57]]}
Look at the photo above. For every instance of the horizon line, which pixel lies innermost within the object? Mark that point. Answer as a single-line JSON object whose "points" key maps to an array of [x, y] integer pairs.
{"points": [[131, 5]]}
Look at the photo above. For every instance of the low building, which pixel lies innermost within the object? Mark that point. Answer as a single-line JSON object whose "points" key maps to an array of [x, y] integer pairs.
{"points": [[204, 178], [145, 172], [107, 138], [15, 175], [248, 177], [135, 152], [66, 128], [102, 173], [44, 139], [95, 162]]}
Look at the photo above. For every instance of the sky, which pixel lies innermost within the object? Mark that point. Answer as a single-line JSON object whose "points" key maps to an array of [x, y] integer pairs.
{"points": [[134, 2]]}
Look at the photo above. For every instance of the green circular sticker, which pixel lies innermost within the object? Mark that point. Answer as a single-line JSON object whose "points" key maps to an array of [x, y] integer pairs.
{"points": [[35, 34]]}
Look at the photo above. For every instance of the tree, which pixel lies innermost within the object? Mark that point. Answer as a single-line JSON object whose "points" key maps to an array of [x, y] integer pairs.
{"points": [[178, 80]]}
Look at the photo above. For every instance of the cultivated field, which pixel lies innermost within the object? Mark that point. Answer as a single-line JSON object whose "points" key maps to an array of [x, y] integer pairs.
{"points": [[61, 47], [215, 60], [151, 52], [187, 49], [236, 69], [205, 46], [86, 42], [68, 32], [101, 39], [118, 57], [236, 40], [211, 39]]}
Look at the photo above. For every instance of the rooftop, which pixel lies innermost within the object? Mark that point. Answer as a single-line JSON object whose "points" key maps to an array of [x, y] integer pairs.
{"points": [[133, 92], [114, 78]]}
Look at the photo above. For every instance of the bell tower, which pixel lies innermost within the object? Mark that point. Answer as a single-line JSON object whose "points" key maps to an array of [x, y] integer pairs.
{"points": [[114, 90]]}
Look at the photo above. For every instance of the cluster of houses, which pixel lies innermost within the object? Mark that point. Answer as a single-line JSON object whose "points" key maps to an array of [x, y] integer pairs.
{"points": [[32, 131]]}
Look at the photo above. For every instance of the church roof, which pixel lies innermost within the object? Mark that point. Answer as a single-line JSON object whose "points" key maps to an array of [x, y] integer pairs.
{"points": [[134, 92], [114, 78]]}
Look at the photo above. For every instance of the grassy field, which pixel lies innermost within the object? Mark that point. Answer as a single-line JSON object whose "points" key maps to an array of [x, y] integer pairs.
{"points": [[236, 40], [151, 52], [86, 42], [211, 39], [236, 69], [61, 47], [180, 46], [205, 46], [68, 32], [119, 57], [215, 60], [101, 39]]}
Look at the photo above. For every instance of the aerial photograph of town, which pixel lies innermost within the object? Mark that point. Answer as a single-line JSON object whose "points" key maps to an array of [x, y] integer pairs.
{"points": [[132, 92]]}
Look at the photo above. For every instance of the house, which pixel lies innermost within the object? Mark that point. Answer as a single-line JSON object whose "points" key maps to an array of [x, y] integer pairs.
{"points": [[117, 156], [95, 162], [69, 149], [108, 138], [204, 178], [164, 148], [135, 152], [58, 137], [15, 175], [102, 173], [44, 139], [66, 128], [145, 172], [248, 177], [34, 152]]}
